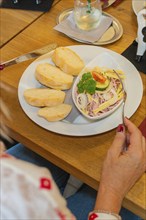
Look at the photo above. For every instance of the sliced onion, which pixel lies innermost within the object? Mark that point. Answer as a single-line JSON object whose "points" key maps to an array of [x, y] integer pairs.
{"points": [[82, 101], [115, 95], [107, 96]]}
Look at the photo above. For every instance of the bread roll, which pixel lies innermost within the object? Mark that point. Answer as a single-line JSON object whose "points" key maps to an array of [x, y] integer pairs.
{"points": [[55, 113], [44, 97], [53, 77], [67, 60]]}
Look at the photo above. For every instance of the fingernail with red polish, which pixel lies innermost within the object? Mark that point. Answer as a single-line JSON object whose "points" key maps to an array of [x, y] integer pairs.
{"points": [[120, 128]]}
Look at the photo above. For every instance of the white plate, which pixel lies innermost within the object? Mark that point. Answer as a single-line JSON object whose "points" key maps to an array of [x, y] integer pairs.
{"points": [[138, 5], [81, 126]]}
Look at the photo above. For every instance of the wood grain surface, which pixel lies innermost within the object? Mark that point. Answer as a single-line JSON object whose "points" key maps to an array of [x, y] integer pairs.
{"points": [[80, 156], [14, 21]]}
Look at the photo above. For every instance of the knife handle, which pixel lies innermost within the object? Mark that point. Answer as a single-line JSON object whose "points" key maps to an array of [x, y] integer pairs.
{"points": [[2, 66], [7, 63]]}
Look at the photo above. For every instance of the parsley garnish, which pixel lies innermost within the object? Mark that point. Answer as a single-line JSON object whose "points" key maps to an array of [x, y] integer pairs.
{"points": [[89, 6], [87, 84]]}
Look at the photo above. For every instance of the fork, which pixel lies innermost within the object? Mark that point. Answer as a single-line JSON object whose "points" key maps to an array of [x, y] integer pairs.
{"points": [[37, 1], [15, 1], [124, 97], [123, 109]]}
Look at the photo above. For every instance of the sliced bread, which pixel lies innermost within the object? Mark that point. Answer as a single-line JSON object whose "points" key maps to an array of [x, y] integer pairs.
{"points": [[55, 113], [53, 77], [67, 60], [44, 97]]}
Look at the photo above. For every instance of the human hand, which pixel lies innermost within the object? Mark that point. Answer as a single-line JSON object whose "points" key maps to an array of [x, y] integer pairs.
{"points": [[121, 168]]}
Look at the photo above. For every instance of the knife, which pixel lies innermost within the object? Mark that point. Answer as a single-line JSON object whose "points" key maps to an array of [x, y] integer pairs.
{"points": [[30, 55], [117, 2], [107, 3]]}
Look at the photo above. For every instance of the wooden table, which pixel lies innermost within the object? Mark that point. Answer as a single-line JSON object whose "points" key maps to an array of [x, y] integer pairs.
{"points": [[14, 21], [80, 156]]}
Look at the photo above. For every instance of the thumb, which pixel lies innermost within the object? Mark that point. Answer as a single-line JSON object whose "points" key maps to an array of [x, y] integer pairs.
{"points": [[119, 141]]}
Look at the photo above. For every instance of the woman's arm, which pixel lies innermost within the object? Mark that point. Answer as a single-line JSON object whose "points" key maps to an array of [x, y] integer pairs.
{"points": [[121, 168]]}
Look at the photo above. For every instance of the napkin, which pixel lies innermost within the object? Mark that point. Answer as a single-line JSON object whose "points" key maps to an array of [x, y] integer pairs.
{"points": [[72, 186], [45, 5], [130, 54], [69, 28]]}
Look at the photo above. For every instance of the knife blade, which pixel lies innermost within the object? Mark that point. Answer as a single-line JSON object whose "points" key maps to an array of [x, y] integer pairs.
{"points": [[33, 54], [107, 3]]}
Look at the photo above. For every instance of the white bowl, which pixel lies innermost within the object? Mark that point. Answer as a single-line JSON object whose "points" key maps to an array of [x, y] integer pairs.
{"points": [[102, 60]]}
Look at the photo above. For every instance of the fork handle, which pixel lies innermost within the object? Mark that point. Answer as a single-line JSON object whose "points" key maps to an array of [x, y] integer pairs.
{"points": [[38, 2], [15, 1]]}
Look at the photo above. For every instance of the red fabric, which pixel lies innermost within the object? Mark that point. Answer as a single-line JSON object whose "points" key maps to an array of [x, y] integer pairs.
{"points": [[93, 216], [45, 183], [142, 127], [62, 216], [5, 155]]}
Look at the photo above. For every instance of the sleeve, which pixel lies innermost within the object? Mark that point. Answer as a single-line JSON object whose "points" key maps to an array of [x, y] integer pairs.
{"points": [[29, 192], [102, 215]]}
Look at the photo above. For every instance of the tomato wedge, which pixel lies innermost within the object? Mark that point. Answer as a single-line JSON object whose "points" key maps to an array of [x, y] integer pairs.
{"points": [[98, 77]]}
